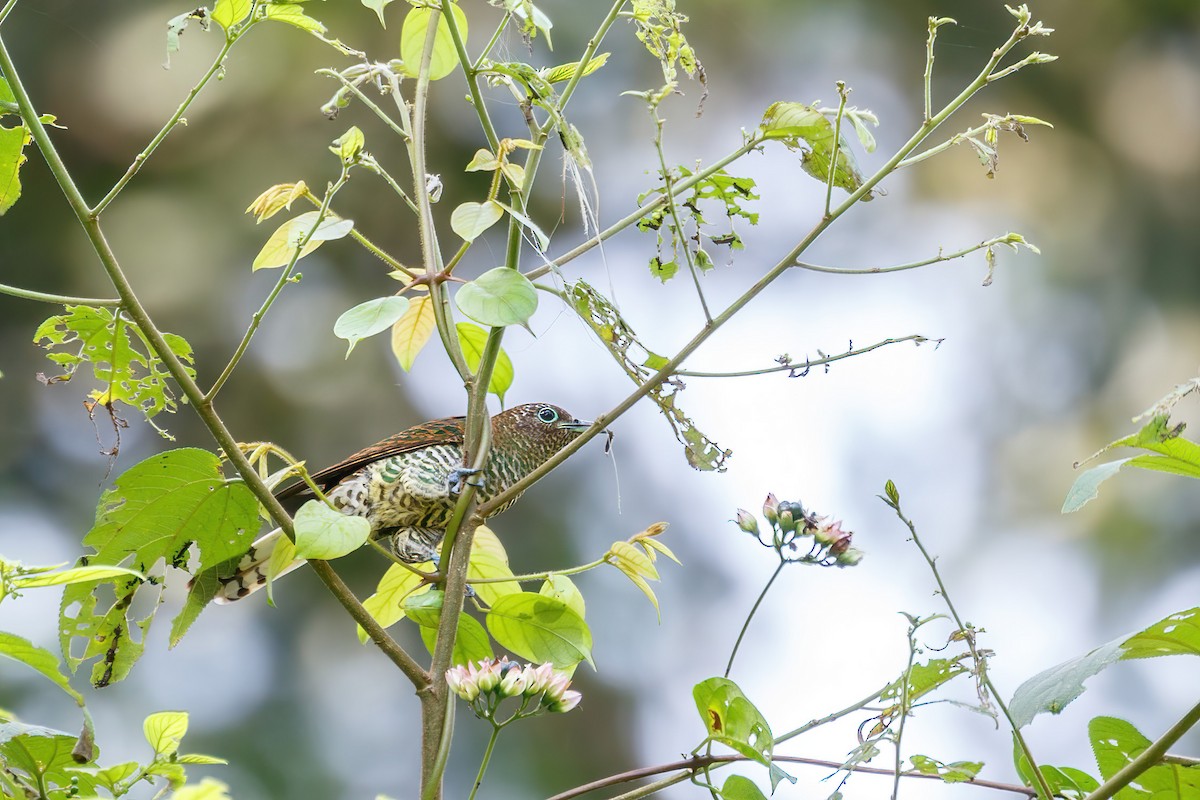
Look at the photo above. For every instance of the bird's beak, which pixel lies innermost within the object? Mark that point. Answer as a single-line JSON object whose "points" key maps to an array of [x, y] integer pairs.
{"points": [[574, 425]]}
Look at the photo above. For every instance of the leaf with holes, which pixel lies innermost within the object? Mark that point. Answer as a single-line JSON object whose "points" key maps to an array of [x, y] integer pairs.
{"points": [[732, 720], [800, 126]]}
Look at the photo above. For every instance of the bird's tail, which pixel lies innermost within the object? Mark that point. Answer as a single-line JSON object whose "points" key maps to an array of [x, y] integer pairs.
{"points": [[250, 574]]}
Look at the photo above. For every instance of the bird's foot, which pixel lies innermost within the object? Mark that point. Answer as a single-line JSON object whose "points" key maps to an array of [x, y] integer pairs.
{"points": [[458, 478]]}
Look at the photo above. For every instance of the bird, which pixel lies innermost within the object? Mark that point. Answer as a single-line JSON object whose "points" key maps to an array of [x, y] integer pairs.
{"points": [[406, 486]]}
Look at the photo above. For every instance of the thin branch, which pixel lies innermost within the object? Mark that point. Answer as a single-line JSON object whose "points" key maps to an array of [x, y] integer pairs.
{"points": [[939, 258], [1152, 755], [8, 7], [836, 715], [469, 71], [754, 609], [66, 300], [787, 365], [843, 94], [695, 763]]}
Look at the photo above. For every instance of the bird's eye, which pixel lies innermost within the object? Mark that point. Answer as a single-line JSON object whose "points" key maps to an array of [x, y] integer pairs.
{"points": [[547, 414]]}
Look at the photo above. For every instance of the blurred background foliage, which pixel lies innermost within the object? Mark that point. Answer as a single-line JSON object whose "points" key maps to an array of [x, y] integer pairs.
{"points": [[1036, 372]]}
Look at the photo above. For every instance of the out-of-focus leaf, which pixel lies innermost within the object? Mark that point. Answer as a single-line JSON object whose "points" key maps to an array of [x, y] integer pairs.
{"points": [[444, 59]]}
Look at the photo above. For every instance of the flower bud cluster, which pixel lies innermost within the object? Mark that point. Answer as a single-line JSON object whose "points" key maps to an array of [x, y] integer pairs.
{"points": [[491, 680], [791, 527]]}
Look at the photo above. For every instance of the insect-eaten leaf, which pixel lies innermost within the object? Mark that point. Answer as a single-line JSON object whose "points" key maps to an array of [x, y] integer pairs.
{"points": [[805, 127], [732, 720], [471, 219], [369, 318], [323, 533], [472, 338], [444, 58], [498, 297]]}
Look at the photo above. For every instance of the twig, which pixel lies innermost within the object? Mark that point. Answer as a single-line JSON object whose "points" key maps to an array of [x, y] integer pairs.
{"points": [[66, 300]]}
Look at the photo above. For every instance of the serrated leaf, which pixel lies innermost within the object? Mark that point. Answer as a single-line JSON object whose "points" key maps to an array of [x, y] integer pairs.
{"points": [[444, 59], [38, 659], [924, 678], [540, 629], [197, 758], [498, 297], [562, 588], [564, 72], [1116, 743], [1177, 634], [472, 338], [323, 533], [369, 318], [412, 331], [471, 644], [165, 730], [282, 244], [385, 605], [471, 219]]}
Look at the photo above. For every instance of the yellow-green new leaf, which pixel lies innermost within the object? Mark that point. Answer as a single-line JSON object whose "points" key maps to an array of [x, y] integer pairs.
{"points": [[293, 14], [228, 13], [560, 587], [164, 731], [412, 331], [278, 250], [563, 72], [471, 219], [444, 58], [369, 318], [323, 533], [632, 560], [472, 338], [385, 605], [73, 575]]}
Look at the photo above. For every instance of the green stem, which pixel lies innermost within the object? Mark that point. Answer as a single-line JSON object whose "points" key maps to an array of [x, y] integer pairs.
{"points": [[366, 101], [542, 576], [837, 144], [66, 300], [487, 50], [673, 208], [746, 625], [905, 706], [1152, 755], [808, 363], [8, 7], [140, 160], [816, 723], [939, 258], [487, 756], [469, 71]]}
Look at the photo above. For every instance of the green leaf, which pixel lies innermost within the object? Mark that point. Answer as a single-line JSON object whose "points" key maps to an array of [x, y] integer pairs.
{"points": [[164, 730], [378, 6], [45, 758], [1171, 453], [73, 575], [39, 659], [1178, 634], [323, 533], [471, 644], [563, 589], [444, 58], [738, 787], [228, 13], [1116, 743], [369, 318], [1065, 781], [484, 160], [489, 560], [293, 14], [801, 126], [207, 789], [955, 772], [924, 678], [471, 219], [540, 629], [12, 156], [157, 510], [534, 19], [564, 72], [349, 145], [542, 239], [1053, 689], [385, 604], [425, 608], [732, 720], [472, 338], [498, 297], [278, 250]]}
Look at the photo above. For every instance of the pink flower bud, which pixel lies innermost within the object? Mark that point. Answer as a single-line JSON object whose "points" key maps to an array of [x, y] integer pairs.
{"points": [[515, 681], [569, 700], [462, 682], [746, 521], [539, 679], [488, 676], [771, 508], [555, 687]]}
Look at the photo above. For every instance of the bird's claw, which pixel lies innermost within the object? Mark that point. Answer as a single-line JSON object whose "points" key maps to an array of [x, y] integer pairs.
{"points": [[460, 477]]}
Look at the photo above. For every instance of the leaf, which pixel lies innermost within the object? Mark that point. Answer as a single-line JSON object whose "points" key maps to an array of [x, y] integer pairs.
{"points": [[471, 643], [323, 533], [177, 25], [157, 510], [280, 248], [488, 560], [798, 125], [1087, 486], [164, 731], [732, 720], [540, 629], [228, 13], [534, 19], [394, 588], [484, 160], [207, 789], [498, 297], [378, 6], [562, 588], [197, 758], [1116, 743], [1053, 689], [293, 14], [471, 219], [739, 787], [1171, 453], [471, 339], [12, 156], [38, 659], [412, 331], [73, 575], [369, 318], [43, 757], [543, 240], [1178, 634], [955, 772], [444, 58], [924, 678], [564, 72]]}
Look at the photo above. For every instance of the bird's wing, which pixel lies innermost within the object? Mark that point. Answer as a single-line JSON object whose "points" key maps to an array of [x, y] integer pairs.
{"points": [[438, 431]]}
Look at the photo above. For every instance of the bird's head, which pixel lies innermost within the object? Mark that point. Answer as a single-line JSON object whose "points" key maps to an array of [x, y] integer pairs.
{"points": [[539, 427]]}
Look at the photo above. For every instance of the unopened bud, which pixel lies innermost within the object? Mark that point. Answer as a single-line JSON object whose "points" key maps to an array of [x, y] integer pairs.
{"points": [[569, 700], [849, 557], [515, 680], [786, 523], [771, 509], [746, 521]]}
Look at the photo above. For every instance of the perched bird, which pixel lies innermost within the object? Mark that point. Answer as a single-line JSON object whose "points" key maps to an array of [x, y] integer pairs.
{"points": [[407, 485]]}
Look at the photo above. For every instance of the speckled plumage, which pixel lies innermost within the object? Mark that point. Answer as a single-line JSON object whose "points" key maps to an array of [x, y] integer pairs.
{"points": [[406, 485]]}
